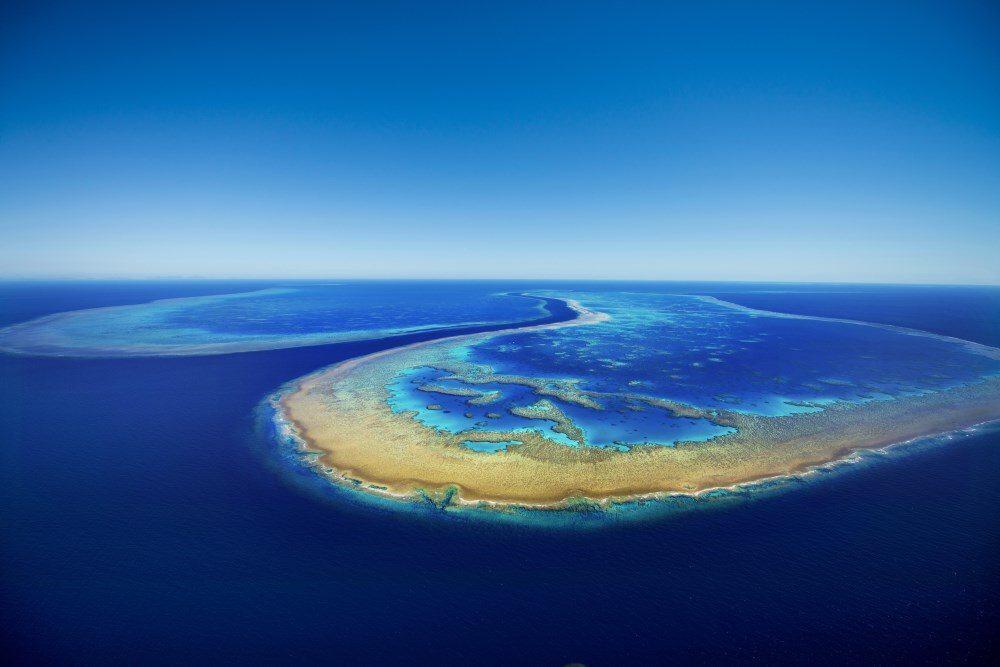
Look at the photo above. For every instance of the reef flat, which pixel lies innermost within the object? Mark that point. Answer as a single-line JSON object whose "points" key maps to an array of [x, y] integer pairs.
{"points": [[641, 395]]}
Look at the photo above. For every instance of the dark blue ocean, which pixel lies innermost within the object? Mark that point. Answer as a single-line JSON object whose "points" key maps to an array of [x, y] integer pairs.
{"points": [[144, 520]]}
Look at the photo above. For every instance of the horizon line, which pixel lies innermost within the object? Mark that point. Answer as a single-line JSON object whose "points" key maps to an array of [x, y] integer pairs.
{"points": [[191, 278]]}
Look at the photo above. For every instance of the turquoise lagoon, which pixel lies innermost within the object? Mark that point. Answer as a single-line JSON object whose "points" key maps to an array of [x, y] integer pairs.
{"points": [[678, 349]]}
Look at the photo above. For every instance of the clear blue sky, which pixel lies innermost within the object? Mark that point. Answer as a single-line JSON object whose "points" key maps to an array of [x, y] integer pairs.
{"points": [[789, 141]]}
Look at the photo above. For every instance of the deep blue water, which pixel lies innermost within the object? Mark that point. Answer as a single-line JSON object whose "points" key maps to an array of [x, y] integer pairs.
{"points": [[141, 520]]}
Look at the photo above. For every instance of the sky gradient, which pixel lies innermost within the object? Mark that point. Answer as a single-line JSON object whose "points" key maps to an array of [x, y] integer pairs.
{"points": [[729, 141]]}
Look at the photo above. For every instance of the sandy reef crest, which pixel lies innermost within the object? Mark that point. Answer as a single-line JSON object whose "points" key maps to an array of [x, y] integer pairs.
{"points": [[341, 414]]}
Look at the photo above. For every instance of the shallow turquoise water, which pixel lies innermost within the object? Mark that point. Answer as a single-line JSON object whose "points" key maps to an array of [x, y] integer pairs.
{"points": [[454, 414], [490, 447]]}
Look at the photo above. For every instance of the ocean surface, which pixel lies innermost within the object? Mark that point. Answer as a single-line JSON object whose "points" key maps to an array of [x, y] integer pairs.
{"points": [[144, 516], [272, 317]]}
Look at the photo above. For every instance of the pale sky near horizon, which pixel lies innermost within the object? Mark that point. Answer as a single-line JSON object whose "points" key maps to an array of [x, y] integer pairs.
{"points": [[840, 141]]}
